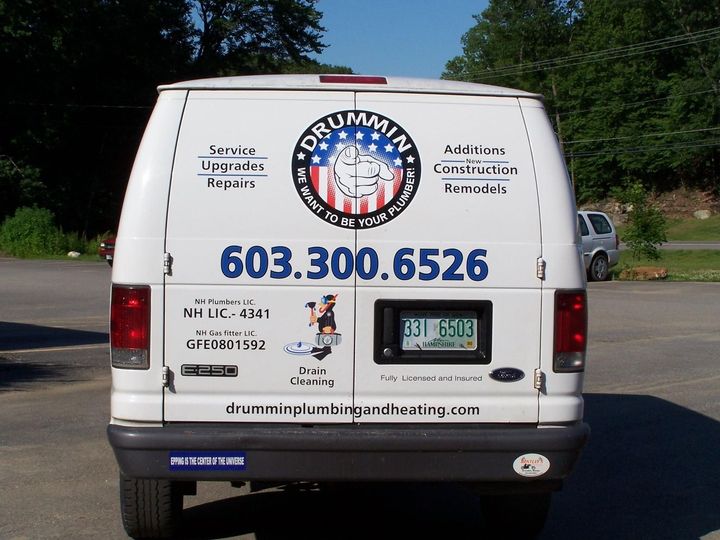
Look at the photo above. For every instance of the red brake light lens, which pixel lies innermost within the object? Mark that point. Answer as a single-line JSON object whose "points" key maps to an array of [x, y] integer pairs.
{"points": [[130, 326], [352, 79], [570, 331]]}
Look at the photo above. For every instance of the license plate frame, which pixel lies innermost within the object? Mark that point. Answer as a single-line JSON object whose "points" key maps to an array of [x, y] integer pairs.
{"points": [[391, 346]]}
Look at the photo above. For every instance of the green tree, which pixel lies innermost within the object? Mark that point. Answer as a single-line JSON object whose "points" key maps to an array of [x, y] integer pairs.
{"points": [[632, 86], [31, 232], [616, 104], [642, 103], [80, 84], [83, 74], [251, 36], [693, 88], [20, 185], [313, 67], [509, 38], [646, 228]]}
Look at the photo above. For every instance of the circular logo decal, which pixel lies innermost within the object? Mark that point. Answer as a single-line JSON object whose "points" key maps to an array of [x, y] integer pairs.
{"points": [[356, 169], [531, 465]]}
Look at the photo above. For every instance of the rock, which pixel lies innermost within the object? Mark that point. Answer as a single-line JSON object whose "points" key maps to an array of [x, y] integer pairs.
{"points": [[73, 254], [644, 273], [702, 214]]}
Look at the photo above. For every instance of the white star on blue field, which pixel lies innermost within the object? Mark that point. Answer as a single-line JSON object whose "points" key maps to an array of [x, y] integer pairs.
{"points": [[368, 142]]}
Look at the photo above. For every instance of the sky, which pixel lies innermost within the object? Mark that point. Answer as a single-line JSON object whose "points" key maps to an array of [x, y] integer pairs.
{"points": [[407, 38]]}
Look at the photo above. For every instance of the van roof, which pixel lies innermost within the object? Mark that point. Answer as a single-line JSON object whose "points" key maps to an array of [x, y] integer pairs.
{"points": [[370, 83]]}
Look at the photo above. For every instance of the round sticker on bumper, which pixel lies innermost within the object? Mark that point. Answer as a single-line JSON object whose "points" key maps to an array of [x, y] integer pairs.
{"points": [[531, 465]]}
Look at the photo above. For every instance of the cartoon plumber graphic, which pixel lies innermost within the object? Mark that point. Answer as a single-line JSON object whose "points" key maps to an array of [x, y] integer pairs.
{"points": [[322, 315]]}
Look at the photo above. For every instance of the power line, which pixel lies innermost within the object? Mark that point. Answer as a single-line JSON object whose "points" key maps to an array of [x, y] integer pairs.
{"points": [[76, 105], [616, 52], [603, 55], [600, 59], [634, 103], [640, 149], [659, 134], [710, 32]]}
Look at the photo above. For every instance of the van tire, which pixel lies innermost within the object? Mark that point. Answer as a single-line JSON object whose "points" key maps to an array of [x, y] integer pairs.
{"points": [[150, 508], [599, 268], [515, 516]]}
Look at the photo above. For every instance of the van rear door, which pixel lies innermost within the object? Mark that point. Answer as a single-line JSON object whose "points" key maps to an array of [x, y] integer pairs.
{"points": [[256, 328], [384, 270], [449, 306]]}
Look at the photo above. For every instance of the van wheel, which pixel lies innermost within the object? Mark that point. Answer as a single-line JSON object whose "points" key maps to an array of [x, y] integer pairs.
{"points": [[515, 516], [599, 268], [150, 508]]}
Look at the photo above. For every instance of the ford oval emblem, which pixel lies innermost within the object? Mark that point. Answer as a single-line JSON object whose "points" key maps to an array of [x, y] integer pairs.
{"points": [[507, 374]]}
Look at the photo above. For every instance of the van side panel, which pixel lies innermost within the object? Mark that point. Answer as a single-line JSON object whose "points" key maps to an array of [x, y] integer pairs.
{"points": [[556, 202], [561, 401], [141, 234], [137, 394]]}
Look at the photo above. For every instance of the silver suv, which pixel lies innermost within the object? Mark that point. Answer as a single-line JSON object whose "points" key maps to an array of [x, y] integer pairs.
{"points": [[600, 244]]}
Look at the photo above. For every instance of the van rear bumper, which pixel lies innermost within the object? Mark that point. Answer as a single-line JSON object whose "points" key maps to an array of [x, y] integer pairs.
{"points": [[350, 453]]}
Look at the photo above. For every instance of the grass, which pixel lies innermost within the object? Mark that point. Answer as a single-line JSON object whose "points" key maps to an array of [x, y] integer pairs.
{"points": [[682, 265], [83, 257], [694, 229], [689, 229]]}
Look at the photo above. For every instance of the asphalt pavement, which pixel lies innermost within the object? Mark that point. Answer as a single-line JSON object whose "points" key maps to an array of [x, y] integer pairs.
{"points": [[649, 470]]}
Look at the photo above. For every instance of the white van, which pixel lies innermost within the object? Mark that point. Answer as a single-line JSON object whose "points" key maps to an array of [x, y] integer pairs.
{"points": [[346, 278]]}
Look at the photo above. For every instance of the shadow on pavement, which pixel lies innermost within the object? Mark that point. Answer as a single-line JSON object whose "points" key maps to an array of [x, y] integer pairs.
{"points": [[19, 336], [14, 373], [18, 373], [650, 470], [362, 511], [16, 370]]}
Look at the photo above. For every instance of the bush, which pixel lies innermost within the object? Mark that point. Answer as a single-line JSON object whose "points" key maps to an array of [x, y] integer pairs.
{"points": [[31, 232], [89, 246], [646, 228]]}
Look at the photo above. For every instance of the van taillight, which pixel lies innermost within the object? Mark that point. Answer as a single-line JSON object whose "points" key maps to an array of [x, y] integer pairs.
{"points": [[130, 327], [570, 331]]}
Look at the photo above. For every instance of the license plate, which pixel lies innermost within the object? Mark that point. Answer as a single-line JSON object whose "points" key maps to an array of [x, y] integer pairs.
{"points": [[439, 330]]}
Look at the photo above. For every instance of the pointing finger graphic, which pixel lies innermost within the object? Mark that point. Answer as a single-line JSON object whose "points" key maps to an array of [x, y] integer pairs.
{"points": [[358, 175]]}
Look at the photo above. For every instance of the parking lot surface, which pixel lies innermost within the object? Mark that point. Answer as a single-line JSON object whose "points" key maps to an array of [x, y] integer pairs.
{"points": [[649, 471]]}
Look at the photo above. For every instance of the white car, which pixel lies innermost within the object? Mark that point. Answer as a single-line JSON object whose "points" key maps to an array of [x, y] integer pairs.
{"points": [[600, 244]]}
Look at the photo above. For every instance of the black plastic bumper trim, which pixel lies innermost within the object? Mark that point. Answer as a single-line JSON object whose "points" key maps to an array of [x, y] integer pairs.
{"points": [[352, 452]]}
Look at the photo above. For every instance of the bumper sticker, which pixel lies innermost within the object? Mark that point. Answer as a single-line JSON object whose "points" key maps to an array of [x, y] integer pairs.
{"points": [[207, 461], [531, 465]]}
